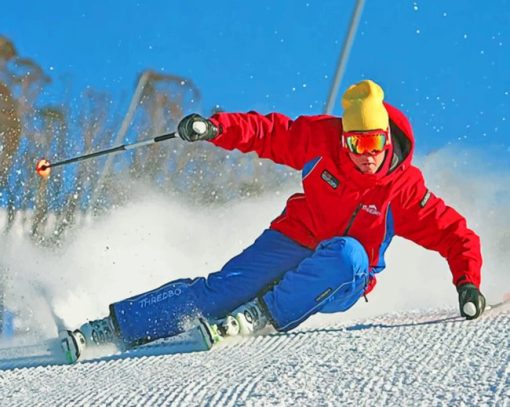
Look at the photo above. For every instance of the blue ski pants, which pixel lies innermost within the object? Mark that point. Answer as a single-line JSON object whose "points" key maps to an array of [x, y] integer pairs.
{"points": [[292, 282]]}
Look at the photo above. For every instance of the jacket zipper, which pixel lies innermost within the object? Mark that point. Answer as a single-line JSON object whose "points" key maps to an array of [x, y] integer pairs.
{"points": [[351, 221]]}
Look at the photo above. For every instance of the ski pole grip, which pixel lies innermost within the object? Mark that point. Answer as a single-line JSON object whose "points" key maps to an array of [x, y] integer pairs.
{"points": [[165, 137]]}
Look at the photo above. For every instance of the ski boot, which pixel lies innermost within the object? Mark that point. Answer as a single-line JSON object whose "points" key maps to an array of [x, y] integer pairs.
{"points": [[215, 332], [244, 320], [93, 333], [250, 317]]}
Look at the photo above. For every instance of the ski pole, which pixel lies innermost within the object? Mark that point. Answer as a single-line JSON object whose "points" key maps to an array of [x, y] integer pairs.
{"points": [[504, 301], [43, 166]]}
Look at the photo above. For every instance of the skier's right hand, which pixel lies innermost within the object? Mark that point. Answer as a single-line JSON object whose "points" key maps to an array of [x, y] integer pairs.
{"points": [[471, 301], [194, 127]]}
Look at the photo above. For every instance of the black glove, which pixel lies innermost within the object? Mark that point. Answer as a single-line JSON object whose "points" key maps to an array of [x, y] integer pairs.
{"points": [[194, 127], [471, 301]]}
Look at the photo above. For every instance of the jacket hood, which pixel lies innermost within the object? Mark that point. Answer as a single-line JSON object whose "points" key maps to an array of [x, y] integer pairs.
{"points": [[398, 157]]}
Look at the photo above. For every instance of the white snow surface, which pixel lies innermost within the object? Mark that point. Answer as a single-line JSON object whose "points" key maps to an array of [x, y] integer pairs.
{"points": [[405, 359], [389, 351]]}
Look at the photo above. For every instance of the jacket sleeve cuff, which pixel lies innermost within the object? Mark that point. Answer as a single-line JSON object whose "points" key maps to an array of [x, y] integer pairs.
{"points": [[467, 278]]}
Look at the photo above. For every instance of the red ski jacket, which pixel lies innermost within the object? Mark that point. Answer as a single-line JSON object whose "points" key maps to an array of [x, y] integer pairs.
{"points": [[338, 200]]}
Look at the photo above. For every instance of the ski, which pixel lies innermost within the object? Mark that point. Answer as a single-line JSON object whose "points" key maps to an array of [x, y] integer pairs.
{"points": [[55, 351], [50, 352], [203, 337]]}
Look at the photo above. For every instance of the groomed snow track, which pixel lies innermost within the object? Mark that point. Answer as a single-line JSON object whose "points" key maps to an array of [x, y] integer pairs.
{"points": [[409, 359]]}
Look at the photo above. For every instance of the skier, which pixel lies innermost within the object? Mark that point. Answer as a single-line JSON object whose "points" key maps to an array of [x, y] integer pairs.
{"points": [[324, 251]]}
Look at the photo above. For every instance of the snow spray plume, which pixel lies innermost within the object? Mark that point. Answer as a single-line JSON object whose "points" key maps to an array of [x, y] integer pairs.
{"points": [[154, 240]]}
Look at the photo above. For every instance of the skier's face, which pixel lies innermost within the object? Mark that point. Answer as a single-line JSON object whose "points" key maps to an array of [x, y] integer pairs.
{"points": [[368, 163]]}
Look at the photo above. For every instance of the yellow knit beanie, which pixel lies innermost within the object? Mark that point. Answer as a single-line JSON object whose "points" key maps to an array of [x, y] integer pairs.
{"points": [[363, 107]]}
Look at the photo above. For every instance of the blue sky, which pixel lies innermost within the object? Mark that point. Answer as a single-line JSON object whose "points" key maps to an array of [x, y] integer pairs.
{"points": [[445, 63]]}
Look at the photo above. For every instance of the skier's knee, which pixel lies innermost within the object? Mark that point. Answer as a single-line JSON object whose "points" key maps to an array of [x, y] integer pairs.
{"points": [[347, 252]]}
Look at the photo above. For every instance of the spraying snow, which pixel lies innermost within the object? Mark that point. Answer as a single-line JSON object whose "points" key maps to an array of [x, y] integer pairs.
{"points": [[413, 349], [154, 240]]}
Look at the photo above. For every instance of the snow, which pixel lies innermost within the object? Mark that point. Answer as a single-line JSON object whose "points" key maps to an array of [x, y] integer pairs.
{"points": [[413, 358], [388, 351]]}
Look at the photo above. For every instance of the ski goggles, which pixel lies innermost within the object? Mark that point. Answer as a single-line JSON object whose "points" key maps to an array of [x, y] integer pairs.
{"points": [[366, 142]]}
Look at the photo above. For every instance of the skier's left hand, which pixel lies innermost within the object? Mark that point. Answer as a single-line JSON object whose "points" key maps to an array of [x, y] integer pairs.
{"points": [[471, 301], [195, 127]]}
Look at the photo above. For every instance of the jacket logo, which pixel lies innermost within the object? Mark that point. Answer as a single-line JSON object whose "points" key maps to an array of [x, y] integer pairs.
{"points": [[330, 179], [371, 209], [323, 295], [425, 199]]}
